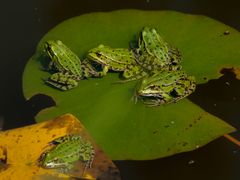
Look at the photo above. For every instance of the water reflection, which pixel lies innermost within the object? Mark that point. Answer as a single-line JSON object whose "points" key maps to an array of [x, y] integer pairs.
{"points": [[213, 161], [220, 97]]}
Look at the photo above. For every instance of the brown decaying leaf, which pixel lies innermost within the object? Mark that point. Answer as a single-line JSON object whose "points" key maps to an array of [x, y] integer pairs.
{"points": [[236, 71], [21, 148]]}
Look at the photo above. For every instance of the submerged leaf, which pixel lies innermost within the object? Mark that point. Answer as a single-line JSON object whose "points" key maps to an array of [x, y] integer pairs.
{"points": [[126, 130]]}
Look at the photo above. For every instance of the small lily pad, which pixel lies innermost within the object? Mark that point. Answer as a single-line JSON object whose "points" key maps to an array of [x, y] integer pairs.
{"points": [[123, 128]]}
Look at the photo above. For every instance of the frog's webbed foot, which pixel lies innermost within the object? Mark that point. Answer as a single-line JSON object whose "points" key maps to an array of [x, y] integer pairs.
{"points": [[63, 81], [87, 164], [134, 98], [87, 156]]}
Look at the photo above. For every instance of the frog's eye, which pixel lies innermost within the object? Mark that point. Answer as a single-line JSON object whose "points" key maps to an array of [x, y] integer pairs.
{"points": [[99, 54], [154, 87], [55, 159], [174, 93]]}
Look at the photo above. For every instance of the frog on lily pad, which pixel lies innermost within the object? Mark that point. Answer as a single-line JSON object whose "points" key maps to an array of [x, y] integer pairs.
{"points": [[68, 68], [165, 87], [155, 54], [118, 60], [152, 55], [154, 61]]}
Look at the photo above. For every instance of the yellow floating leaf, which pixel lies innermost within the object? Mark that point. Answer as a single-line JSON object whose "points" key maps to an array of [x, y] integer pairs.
{"points": [[21, 148]]}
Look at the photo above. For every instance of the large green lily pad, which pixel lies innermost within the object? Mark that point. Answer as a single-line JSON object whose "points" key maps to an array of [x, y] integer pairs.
{"points": [[126, 130]]}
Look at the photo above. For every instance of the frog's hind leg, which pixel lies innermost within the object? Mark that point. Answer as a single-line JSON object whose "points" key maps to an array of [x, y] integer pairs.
{"points": [[63, 81], [88, 156]]}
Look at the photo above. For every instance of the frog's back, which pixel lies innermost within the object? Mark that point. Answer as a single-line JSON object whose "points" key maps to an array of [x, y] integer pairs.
{"points": [[156, 53], [70, 149], [67, 59]]}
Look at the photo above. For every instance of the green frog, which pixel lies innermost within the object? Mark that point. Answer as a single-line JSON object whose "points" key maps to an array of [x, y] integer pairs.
{"points": [[165, 87], [116, 59], [67, 66], [155, 54], [66, 150]]}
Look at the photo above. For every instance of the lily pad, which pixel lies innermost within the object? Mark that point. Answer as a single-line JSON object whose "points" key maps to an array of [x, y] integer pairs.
{"points": [[126, 130]]}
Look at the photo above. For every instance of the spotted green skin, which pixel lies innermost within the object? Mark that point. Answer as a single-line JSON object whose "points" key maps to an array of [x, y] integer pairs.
{"points": [[165, 87], [67, 66], [67, 150], [155, 54], [116, 59]]}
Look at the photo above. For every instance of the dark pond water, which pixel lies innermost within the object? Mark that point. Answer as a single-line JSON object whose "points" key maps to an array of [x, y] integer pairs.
{"points": [[23, 23]]}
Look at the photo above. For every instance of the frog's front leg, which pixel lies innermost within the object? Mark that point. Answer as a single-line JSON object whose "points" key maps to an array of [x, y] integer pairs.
{"points": [[90, 71], [103, 72], [50, 65], [63, 81], [66, 167]]}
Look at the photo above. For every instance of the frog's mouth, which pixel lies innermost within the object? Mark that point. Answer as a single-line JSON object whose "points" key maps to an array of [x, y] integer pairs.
{"points": [[52, 164], [152, 100], [150, 96], [49, 165]]}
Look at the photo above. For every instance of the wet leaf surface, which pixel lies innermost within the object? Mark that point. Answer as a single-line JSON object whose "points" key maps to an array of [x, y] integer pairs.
{"points": [[126, 130]]}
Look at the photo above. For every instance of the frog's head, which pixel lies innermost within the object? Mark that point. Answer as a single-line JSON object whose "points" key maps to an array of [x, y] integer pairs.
{"points": [[151, 93], [155, 93], [51, 46], [99, 54], [149, 88], [166, 87], [48, 160], [147, 33], [159, 86]]}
